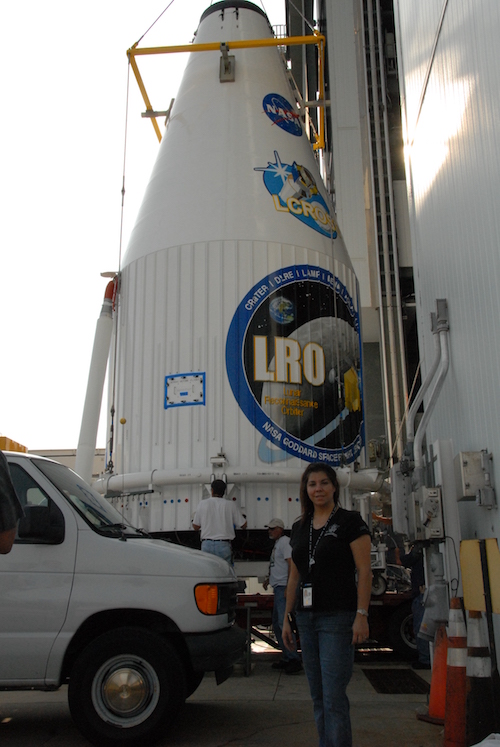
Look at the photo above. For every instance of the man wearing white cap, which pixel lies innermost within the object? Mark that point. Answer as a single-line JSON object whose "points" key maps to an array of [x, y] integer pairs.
{"points": [[279, 567]]}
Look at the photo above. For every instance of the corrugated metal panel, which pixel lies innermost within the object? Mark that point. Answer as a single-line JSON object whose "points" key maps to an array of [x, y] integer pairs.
{"points": [[416, 34], [174, 316], [455, 181]]}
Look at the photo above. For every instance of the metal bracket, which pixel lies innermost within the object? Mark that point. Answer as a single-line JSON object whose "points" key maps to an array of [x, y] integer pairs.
{"points": [[485, 496], [474, 474], [150, 114], [442, 319], [219, 461], [227, 65]]}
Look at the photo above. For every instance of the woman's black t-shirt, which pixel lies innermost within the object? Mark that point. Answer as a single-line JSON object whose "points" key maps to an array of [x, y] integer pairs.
{"points": [[333, 575]]}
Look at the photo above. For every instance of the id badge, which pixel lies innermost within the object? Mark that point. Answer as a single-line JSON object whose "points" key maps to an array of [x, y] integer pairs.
{"points": [[307, 596]]}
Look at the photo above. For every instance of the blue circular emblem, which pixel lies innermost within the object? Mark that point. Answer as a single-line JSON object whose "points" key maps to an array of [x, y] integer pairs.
{"points": [[294, 340], [282, 113]]}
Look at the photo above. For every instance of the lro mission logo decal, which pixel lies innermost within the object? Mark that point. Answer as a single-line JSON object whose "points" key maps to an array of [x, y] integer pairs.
{"points": [[294, 364]]}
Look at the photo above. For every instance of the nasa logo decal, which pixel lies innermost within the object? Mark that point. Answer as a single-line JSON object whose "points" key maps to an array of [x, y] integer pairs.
{"points": [[282, 113], [294, 191], [293, 360]]}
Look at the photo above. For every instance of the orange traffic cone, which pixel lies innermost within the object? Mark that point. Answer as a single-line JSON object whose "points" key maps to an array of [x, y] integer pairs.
{"points": [[480, 705], [437, 696], [454, 720]]}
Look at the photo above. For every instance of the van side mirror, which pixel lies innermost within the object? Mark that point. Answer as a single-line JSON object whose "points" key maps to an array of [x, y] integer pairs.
{"points": [[42, 524]]}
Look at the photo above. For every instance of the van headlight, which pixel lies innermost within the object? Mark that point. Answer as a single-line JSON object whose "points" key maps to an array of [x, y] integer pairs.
{"points": [[216, 599]]}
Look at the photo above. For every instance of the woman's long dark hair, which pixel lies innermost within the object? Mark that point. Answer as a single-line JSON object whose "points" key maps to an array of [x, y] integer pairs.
{"points": [[305, 501]]}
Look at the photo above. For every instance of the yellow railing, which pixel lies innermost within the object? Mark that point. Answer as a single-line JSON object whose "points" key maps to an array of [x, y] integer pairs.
{"points": [[317, 39]]}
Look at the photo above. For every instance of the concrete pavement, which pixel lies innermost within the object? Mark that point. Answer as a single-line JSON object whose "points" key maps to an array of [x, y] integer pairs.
{"points": [[265, 709]]}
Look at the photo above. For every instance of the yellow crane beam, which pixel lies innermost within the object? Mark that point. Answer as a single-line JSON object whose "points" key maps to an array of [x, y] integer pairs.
{"points": [[317, 39]]}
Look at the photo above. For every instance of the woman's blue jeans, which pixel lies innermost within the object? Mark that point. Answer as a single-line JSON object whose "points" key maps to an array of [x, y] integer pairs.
{"points": [[328, 658]]}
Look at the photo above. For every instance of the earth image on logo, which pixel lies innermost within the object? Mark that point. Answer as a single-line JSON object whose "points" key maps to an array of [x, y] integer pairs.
{"points": [[282, 310]]}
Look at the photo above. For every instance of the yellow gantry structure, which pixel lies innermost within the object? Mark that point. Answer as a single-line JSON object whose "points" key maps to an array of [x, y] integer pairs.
{"points": [[317, 39]]}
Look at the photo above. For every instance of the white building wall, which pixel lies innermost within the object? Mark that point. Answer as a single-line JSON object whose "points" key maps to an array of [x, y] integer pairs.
{"points": [[449, 65]]}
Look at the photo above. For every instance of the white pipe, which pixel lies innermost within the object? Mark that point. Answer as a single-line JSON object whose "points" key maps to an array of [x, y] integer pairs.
{"points": [[419, 436], [93, 399], [410, 422], [369, 479]]}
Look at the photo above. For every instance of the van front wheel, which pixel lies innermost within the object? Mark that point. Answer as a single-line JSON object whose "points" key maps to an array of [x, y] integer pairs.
{"points": [[126, 686], [401, 633]]}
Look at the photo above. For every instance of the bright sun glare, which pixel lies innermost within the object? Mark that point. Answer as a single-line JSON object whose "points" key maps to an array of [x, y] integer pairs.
{"points": [[441, 120]]}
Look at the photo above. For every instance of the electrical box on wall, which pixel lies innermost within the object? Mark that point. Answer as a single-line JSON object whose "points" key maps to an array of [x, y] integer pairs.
{"points": [[431, 513], [418, 514], [474, 477], [427, 514]]}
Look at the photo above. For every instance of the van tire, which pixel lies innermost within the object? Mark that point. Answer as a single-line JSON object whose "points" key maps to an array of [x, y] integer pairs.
{"points": [[400, 630], [126, 687]]}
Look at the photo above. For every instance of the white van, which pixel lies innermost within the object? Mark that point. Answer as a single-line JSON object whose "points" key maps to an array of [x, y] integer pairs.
{"points": [[129, 622]]}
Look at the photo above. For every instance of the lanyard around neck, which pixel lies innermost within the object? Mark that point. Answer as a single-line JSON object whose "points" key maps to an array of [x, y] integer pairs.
{"points": [[312, 550]]}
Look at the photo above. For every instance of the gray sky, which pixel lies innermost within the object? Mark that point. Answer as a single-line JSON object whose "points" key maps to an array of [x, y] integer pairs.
{"points": [[64, 94]]}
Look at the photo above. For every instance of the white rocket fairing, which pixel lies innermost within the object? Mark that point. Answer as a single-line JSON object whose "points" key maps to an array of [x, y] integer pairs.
{"points": [[238, 340]]}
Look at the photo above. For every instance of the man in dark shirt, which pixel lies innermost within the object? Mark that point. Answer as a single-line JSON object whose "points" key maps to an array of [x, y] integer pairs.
{"points": [[10, 508]]}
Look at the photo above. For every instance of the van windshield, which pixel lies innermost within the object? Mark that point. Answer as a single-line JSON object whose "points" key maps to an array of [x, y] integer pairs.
{"points": [[93, 507]]}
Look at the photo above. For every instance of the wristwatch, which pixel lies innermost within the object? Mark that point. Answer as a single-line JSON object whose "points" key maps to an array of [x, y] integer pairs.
{"points": [[361, 611]]}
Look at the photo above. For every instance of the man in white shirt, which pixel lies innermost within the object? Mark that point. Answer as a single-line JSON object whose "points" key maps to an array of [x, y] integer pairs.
{"points": [[217, 519], [279, 567]]}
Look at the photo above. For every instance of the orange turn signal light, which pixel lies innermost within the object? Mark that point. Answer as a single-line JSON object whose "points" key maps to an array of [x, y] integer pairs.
{"points": [[207, 598]]}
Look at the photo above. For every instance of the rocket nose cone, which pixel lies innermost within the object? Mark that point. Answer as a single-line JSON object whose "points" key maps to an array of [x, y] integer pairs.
{"points": [[235, 162], [227, 5]]}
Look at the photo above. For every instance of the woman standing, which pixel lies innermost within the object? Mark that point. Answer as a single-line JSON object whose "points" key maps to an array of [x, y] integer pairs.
{"points": [[330, 546]]}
